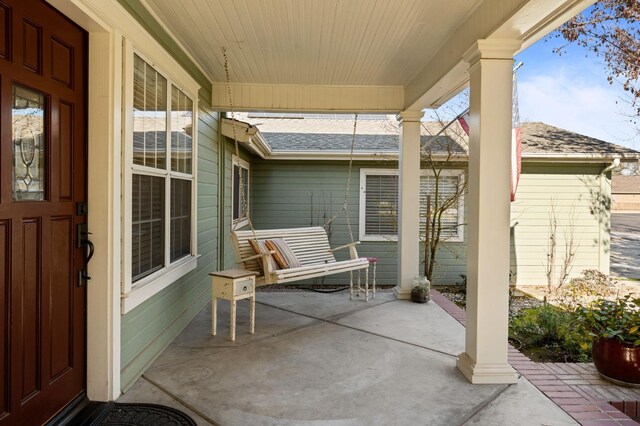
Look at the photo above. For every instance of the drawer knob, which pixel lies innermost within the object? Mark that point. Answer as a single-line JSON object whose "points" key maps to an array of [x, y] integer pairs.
{"points": [[244, 288]]}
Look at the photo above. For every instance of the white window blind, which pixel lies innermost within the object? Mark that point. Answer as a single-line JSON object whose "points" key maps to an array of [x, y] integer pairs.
{"points": [[379, 203], [161, 191]]}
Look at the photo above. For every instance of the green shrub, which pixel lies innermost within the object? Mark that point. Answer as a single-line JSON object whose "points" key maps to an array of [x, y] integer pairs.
{"points": [[547, 333]]}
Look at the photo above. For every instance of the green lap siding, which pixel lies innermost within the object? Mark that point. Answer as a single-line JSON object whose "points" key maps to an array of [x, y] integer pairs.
{"points": [[295, 194], [305, 193], [149, 328]]}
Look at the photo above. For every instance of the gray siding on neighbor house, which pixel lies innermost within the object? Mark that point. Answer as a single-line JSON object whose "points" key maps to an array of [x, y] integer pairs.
{"points": [[296, 194], [149, 328], [577, 193]]}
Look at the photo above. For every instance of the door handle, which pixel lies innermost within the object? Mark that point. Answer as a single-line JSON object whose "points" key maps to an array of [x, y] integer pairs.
{"points": [[84, 242]]}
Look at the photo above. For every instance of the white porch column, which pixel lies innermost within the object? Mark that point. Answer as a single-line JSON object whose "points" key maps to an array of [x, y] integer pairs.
{"points": [[408, 203], [490, 69]]}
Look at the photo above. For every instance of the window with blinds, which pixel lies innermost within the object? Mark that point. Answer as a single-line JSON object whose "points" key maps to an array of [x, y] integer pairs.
{"points": [[240, 196], [379, 203], [161, 172]]}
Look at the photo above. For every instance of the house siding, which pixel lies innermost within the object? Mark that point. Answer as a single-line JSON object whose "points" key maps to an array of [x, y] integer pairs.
{"points": [[298, 194], [149, 328], [575, 192]]}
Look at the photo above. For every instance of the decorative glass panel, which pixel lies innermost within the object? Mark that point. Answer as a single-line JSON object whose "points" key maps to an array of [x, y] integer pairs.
{"points": [[181, 131], [381, 200], [180, 218], [240, 198], [149, 116], [147, 225], [28, 129]]}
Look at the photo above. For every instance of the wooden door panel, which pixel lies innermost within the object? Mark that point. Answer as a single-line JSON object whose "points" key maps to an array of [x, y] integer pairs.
{"points": [[62, 66], [43, 311], [32, 46], [5, 277], [5, 32], [26, 290], [61, 297]]}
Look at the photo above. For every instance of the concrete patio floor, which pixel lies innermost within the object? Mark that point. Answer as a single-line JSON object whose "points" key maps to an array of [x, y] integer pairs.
{"points": [[324, 360]]}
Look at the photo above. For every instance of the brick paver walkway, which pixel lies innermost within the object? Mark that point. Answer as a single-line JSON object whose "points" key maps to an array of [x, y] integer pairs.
{"points": [[576, 388]]}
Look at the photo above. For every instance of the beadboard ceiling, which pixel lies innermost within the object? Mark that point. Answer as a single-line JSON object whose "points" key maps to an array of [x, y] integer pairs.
{"points": [[318, 42], [347, 55]]}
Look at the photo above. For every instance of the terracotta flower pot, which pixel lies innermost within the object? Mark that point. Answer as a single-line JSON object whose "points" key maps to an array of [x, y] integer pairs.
{"points": [[617, 362]]}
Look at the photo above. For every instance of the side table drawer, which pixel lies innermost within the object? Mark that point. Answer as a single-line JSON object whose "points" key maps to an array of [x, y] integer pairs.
{"points": [[243, 287]]}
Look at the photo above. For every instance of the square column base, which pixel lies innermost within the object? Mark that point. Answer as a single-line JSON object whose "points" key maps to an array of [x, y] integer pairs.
{"points": [[493, 374], [401, 293]]}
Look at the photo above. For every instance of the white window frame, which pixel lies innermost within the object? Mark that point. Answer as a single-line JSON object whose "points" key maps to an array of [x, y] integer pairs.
{"points": [[134, 294], [242, 164], [394, 172]]}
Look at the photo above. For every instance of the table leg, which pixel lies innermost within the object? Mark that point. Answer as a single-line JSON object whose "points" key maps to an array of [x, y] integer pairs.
{"points": [[366, 284], [252, 315], [232, 323], [351, 285], [214, 316], [374, 280]]}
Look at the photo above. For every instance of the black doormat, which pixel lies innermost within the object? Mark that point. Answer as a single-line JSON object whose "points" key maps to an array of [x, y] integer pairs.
{"points": [[121, 414]]}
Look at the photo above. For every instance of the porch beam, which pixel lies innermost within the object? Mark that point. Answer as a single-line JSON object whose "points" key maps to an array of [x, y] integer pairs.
{"points": [[408, 202], [308, 98], [490, 70]]}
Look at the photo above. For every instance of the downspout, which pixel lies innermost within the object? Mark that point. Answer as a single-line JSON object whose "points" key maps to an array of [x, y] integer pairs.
{"points": [[604, 251], [221, 192]]}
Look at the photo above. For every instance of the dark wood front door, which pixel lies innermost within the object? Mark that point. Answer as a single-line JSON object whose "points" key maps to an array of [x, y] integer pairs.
{"points": [[42, 179]]}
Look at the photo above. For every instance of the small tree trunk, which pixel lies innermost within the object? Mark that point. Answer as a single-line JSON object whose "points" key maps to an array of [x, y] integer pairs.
{"points": [[427, 244]]}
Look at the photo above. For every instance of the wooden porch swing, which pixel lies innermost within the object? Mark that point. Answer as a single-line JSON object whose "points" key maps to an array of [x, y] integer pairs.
{"points": [[293, 254]]}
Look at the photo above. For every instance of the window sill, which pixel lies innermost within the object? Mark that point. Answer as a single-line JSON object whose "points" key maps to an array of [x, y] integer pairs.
{"points": [[158, 281], [394, 238]]}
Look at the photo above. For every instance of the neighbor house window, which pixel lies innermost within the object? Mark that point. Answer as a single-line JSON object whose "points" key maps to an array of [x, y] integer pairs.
{"points": [[379, 203], [160, 227], [240, 192]]}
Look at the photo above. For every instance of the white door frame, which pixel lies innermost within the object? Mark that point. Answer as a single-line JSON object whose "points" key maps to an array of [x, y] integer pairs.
{"points": [[104, 109]]}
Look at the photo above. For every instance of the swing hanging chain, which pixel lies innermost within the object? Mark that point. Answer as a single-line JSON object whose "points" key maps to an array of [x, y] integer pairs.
{"points": [[345, 204], [243, 195]]}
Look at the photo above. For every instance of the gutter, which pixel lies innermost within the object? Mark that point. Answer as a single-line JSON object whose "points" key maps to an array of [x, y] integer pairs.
{"points": [[604, 217], [248, 136], [615, 163]]}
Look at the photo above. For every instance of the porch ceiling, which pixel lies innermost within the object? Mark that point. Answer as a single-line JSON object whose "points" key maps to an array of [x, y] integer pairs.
{"points": [[376, 55]]}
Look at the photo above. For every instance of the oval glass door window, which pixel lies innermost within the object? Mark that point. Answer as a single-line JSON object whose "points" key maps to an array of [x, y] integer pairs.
{"points": [[28, 130]]}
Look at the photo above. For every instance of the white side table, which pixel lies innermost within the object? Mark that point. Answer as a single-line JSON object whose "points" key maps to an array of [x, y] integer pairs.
{"points": [[233, 285]]}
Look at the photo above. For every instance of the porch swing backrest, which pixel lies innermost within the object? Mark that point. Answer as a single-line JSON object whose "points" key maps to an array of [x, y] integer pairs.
{"points": [[311, 247]]}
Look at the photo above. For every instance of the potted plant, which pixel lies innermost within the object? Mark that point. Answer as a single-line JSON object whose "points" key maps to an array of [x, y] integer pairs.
{"points": [[420, 291], [614, 329]]}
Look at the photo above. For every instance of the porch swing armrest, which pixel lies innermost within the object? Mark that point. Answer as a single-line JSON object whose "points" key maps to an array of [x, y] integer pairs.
{"points": [[345, 246], [257, 256]]}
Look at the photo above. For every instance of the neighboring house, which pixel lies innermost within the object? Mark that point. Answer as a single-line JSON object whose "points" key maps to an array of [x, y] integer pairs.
{"points": [[123, 147], [298, 173], [626, 193]]}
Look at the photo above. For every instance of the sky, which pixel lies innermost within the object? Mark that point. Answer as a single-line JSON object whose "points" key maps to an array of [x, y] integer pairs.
{"points": [[571, 91]]}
